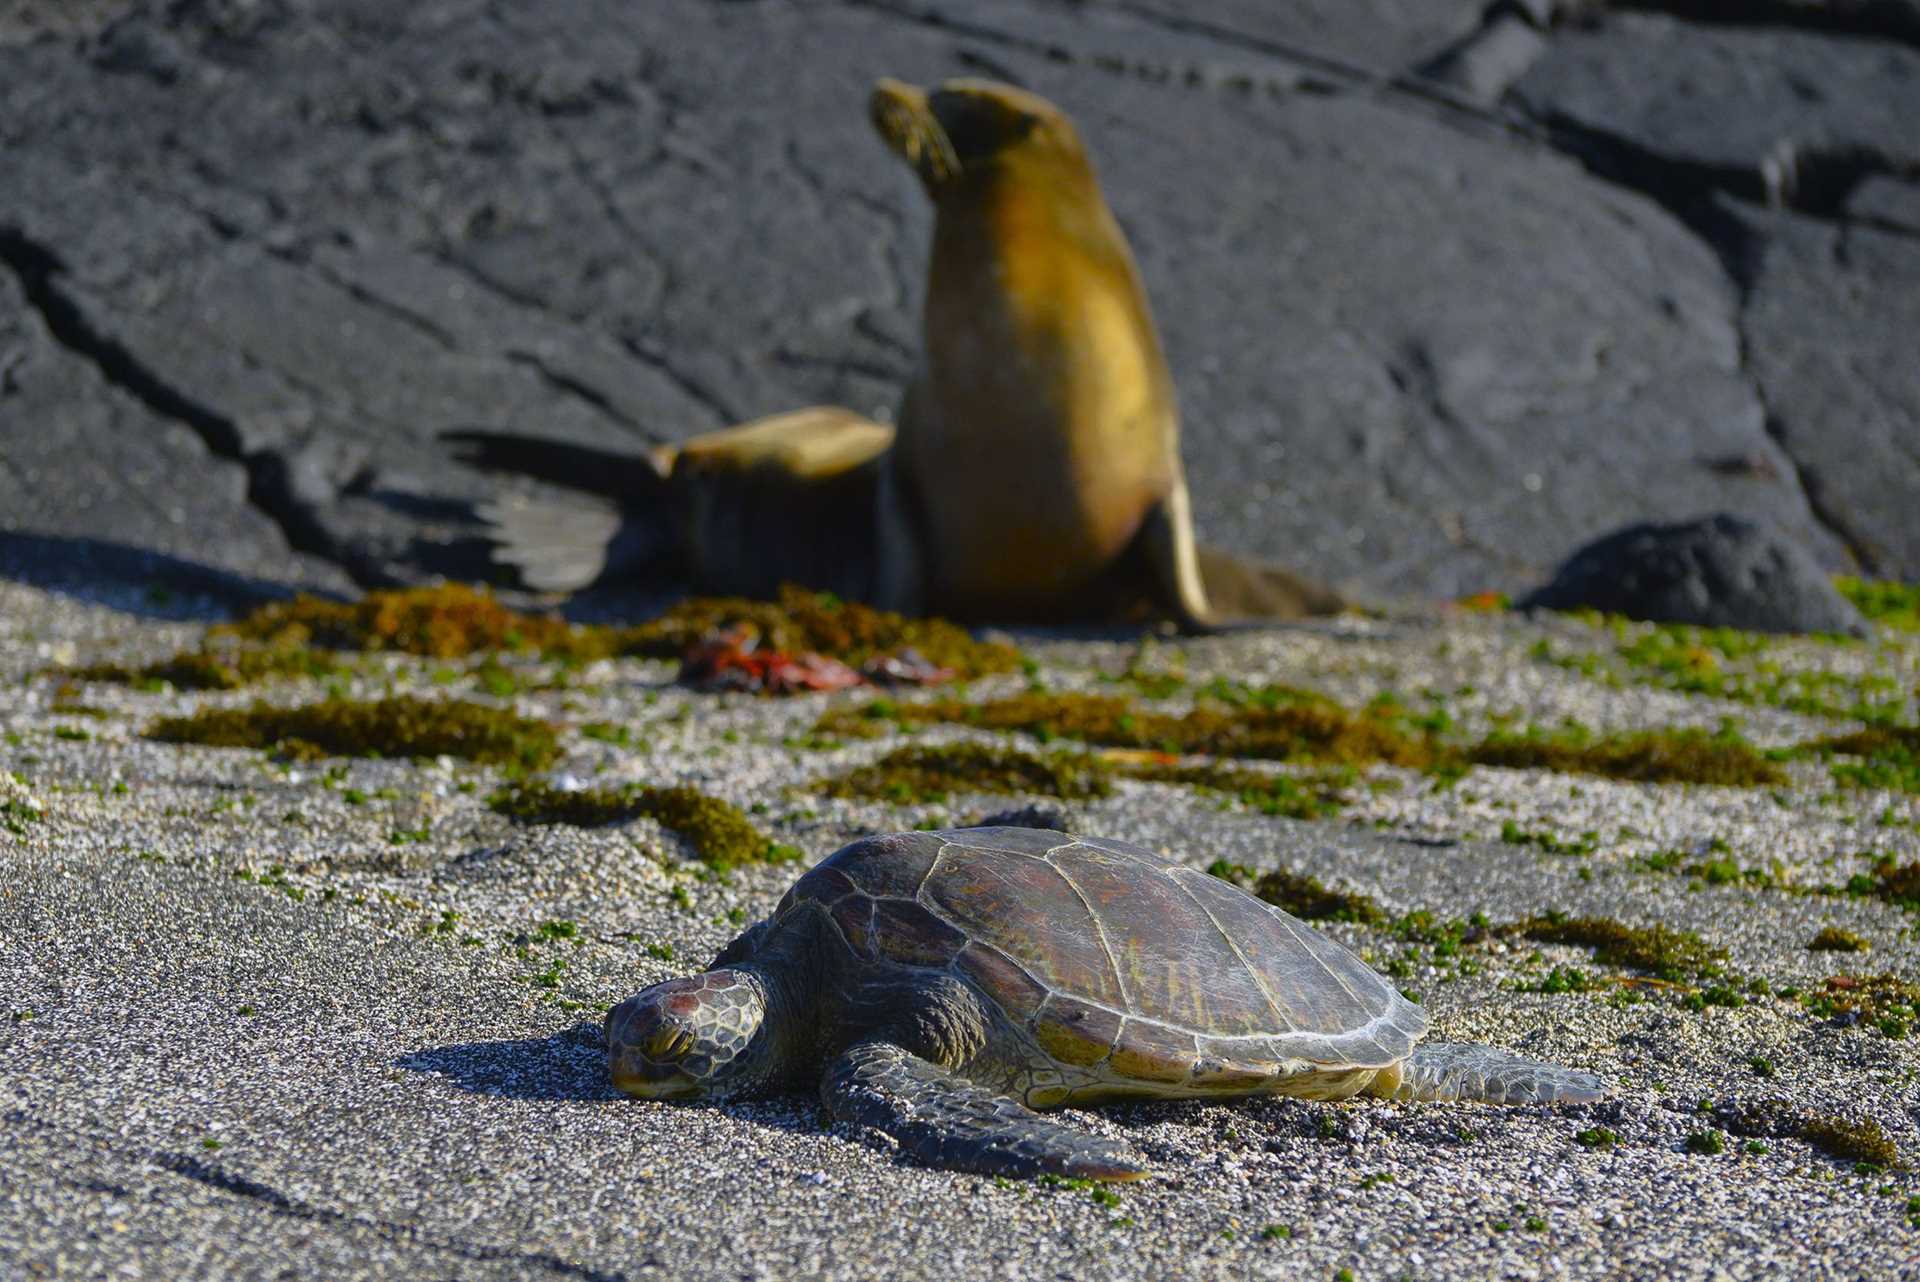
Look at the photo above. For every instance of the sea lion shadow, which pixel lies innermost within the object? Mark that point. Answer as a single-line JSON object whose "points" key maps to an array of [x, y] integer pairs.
{"points": [[568, 1065]]}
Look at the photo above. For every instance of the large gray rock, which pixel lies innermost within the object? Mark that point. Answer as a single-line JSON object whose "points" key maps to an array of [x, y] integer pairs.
{"points": [[1385, 36], [97, 485], [24, 20], [1717, 572], [1833, 334], [1720, 120], [1768, 114], [1417, 352]]}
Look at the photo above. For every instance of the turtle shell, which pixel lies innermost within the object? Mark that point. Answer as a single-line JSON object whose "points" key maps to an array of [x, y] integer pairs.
{"points": [[1116, 961]]}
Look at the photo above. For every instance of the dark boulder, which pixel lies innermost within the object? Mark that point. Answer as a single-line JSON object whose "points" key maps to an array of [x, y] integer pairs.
{"points": [[1718, 571]]}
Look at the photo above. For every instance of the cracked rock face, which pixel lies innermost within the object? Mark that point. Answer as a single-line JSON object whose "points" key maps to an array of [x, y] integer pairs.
{"points": [[1419, 351], [1787, 116], [1831, 325], [101, 480]]}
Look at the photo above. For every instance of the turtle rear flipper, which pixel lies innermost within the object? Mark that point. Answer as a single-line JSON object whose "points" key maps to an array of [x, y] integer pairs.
{"points": [[943, 1119], [1459, 1071]]}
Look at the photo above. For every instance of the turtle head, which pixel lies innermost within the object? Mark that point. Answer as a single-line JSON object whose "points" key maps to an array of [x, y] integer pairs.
{"points": [[968, 129], [690, 1037]]}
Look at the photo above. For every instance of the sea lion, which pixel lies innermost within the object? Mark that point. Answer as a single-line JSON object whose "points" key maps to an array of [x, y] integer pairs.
{"points": [[1035, 472]]}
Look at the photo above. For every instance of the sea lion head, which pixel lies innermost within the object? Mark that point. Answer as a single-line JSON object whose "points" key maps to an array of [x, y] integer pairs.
{"points": [[967, 130]]}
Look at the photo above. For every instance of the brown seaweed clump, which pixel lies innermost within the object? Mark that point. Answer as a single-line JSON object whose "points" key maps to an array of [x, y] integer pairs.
{"points": [[930, 774], [1312, 796], [1665, 952], [1851, 1141], [1897, 883], [718, 831], [1859, 1141], [217, 666], [1305, 896], [447, 621], [1836, 939], [1278, 724], [1648, 756], [921, 774], [453, 621], [802, 621], [1312, 729], [399, 726]]}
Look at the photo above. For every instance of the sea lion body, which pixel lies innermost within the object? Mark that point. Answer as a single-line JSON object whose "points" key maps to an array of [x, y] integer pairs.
{"points": [[1041, 430], [1035, 472]]}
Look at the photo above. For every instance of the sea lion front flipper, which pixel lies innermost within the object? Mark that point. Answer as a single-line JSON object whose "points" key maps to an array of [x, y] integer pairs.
{"points": [[818, 443]]}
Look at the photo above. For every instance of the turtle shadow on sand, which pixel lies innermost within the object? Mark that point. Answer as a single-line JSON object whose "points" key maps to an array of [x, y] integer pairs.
{"points": [[571, 1066], [568, 1065]]}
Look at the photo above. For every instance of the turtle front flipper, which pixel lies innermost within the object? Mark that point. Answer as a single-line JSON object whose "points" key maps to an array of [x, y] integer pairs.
{"points": [[943, 1119], [1460, 1071]]}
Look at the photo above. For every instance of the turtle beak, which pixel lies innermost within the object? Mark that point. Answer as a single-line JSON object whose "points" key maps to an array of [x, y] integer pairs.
{"points": [[646, 1051], [653, 1081]]}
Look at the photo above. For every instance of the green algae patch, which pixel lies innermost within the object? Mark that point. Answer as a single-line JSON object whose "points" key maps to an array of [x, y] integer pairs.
{"points": [[1707, 1143], [399, 726], [801, 621], [1646, 756], [1833, 939], [16, 814], [1887, 1002], [920, 774], [1724, 663], [1897, 883], [1309, 729], [1664, 952], [1891, 605], [1885, 757], [218, 667], [718, 831], [1302, 895], [1281, 724]]}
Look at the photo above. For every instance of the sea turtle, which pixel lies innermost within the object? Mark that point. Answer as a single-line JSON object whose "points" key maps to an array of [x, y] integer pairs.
{"points": [[945, 986]]}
